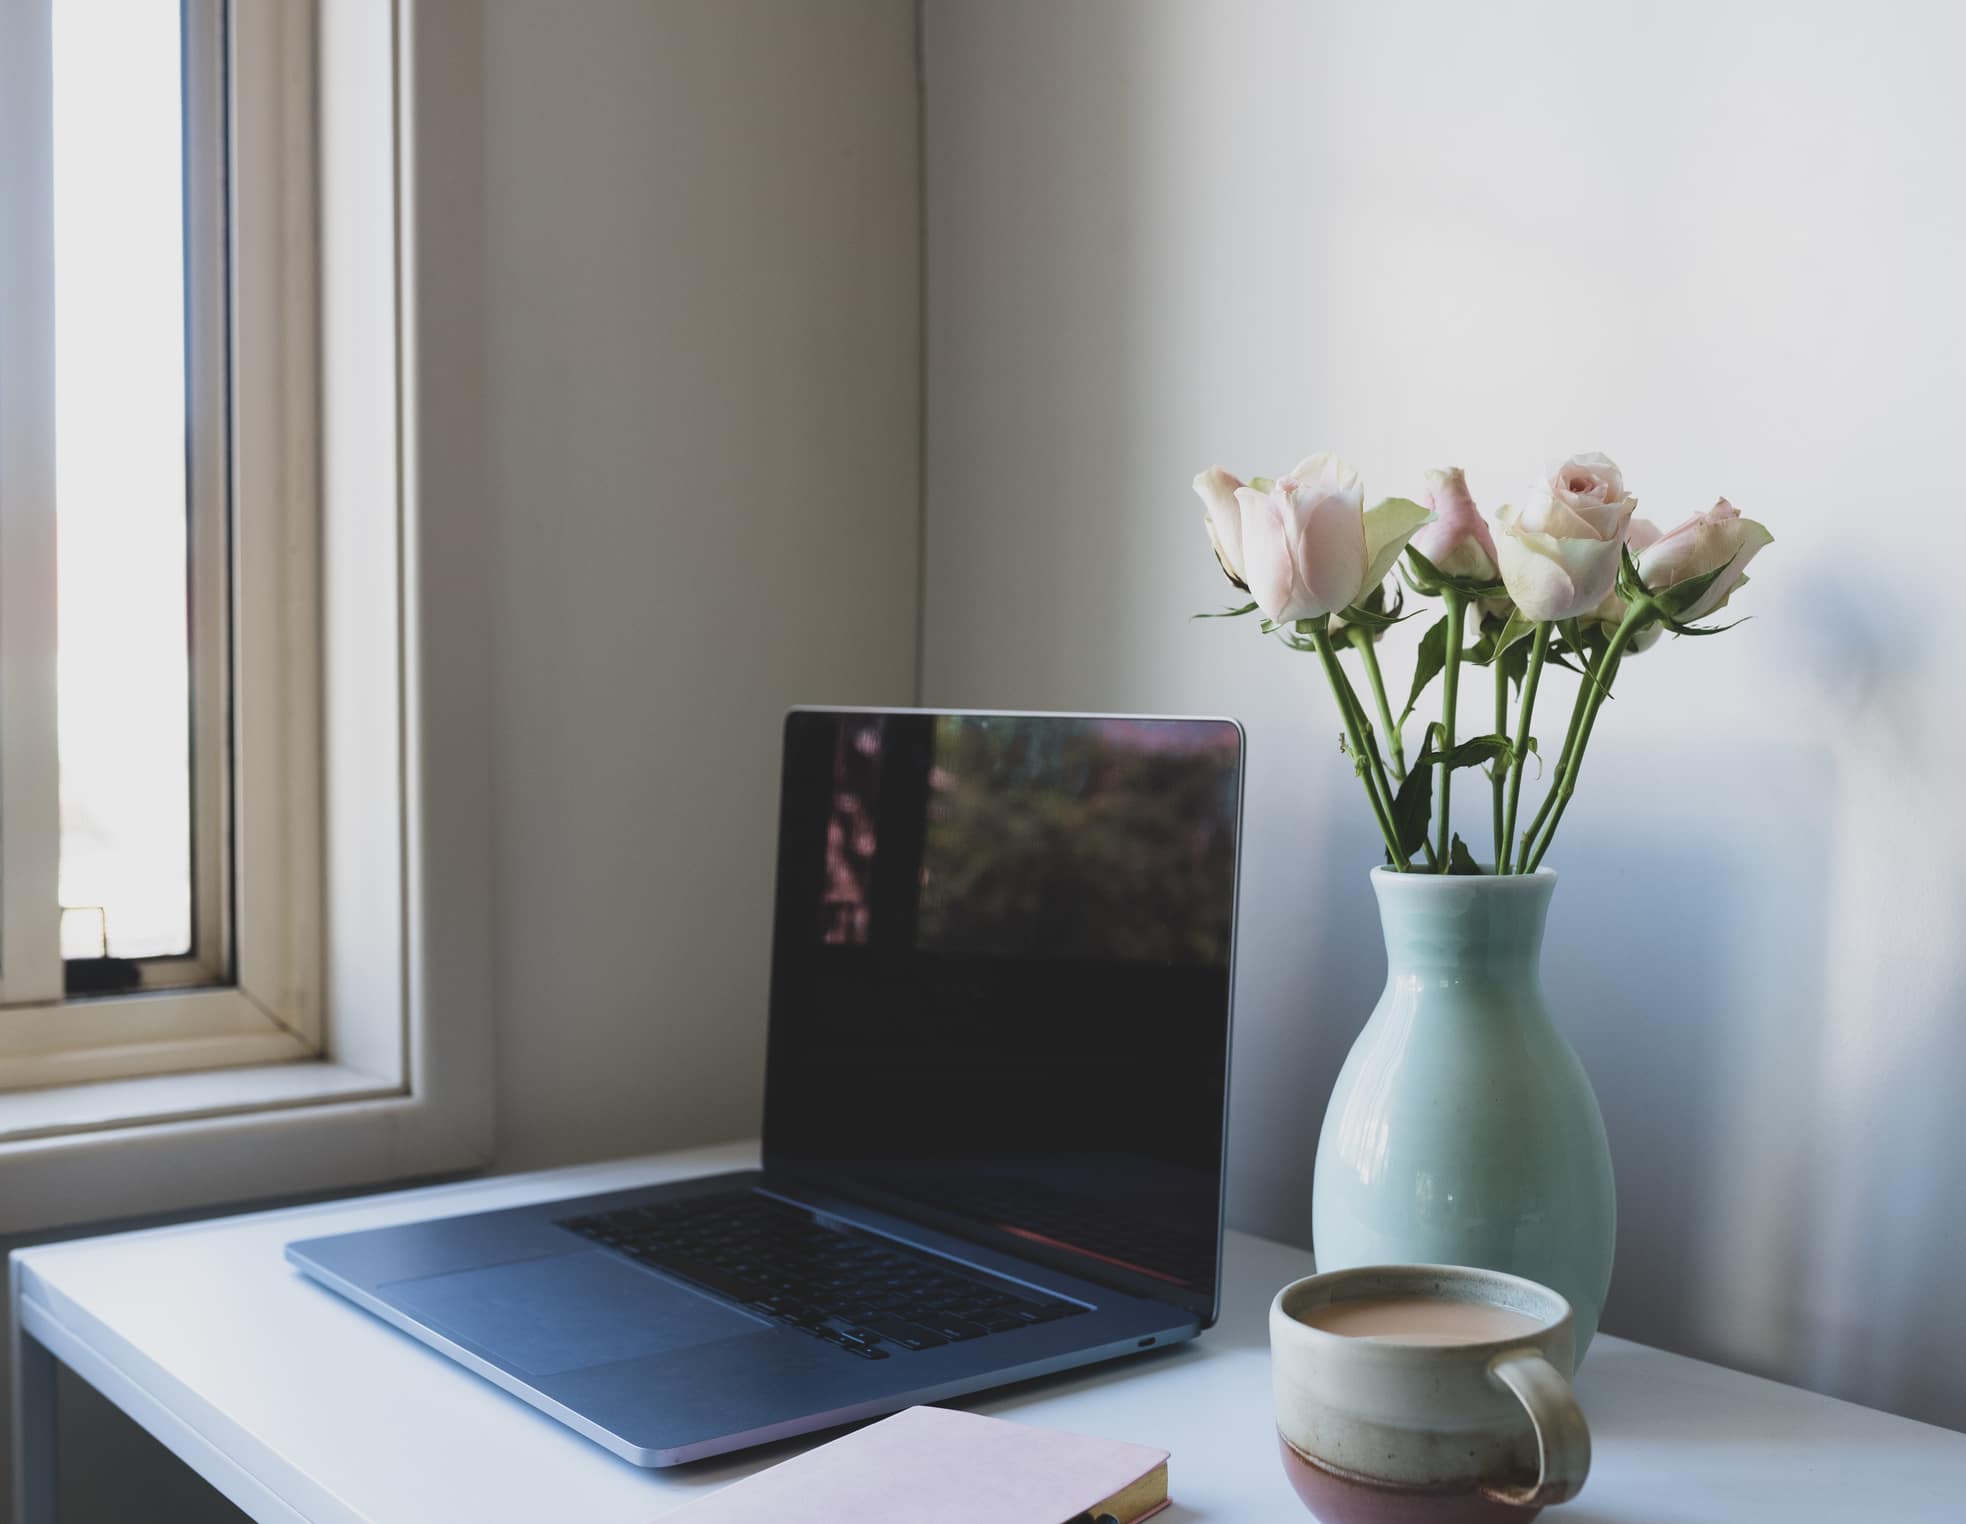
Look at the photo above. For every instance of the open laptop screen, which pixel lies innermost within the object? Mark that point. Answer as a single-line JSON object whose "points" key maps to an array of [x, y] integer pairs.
{"points": [[1000, 980]]}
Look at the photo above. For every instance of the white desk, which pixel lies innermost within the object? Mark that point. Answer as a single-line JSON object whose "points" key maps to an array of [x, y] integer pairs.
{"points": [[298, 1406]]}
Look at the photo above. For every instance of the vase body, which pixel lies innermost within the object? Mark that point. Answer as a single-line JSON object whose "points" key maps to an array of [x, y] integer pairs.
{"points": [[1463, 1130]]}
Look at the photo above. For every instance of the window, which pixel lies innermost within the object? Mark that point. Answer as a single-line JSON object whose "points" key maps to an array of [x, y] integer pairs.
{"points": [[160, 826], [140, 521], [277, 979]]}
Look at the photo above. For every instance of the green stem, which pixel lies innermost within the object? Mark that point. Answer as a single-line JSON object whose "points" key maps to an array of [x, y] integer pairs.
{"points": [[1529, 836], [1386, 790], [1368, 650], [1498, 782], [1375, 769], [1450, 693], [1341, 688], [1604, 674], [1375, 762], [1539, 649]]}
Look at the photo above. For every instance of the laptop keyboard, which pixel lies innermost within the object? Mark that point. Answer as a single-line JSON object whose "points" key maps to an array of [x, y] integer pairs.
{"points": [[863, 1293]]}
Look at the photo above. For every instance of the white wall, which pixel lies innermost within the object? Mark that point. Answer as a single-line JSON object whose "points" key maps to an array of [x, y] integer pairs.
{"points": [[1722, 242], [703, 356]]}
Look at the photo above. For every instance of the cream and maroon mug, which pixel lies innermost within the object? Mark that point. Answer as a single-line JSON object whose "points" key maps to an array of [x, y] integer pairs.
{"points": [[1432, 1433]]}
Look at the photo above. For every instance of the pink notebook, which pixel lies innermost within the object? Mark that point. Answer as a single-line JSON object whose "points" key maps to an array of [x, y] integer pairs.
{"points": [[940, 1466]]}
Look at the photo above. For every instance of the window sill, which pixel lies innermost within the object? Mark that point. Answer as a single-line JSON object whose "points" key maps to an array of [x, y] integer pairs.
{"points": [[178, 1142], [79, 1043], [37, 1114]]}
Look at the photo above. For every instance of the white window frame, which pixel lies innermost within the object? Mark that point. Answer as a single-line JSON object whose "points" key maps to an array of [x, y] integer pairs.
{"points": [[249, 990], [355, 1042]]}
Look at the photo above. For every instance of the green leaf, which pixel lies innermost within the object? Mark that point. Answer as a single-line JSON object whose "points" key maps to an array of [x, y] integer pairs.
{"points": [[1432, 656], [1680, 597], [1426, 577], [1460, 860], [1389, 598], [1366, 619], [1500, 637], [1247, 608], [1380, 609], [1558, 653], [1413, 808], [1475, 751], [1388, 527], [1703, 629], [1413, 805], [1515, 660], [1630, 585], [1503, 760]]}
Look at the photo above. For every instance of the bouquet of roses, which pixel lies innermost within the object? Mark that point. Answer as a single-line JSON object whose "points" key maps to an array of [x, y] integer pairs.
{"points": [[1571, 578]]}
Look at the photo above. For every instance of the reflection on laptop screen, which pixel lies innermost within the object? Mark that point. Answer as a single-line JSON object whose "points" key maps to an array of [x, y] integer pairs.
{"points": [[1000, 980]]}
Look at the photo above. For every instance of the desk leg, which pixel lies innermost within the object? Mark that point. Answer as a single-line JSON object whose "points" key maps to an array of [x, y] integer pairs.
{"points": [[34, 1431]]}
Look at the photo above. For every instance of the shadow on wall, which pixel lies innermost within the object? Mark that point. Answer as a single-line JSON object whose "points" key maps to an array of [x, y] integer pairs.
{"points": [[1687, 967]]}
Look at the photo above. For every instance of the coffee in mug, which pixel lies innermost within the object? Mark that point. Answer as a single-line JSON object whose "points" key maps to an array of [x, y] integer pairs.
{"points": [[1435, 1394], [1419, 1320]]}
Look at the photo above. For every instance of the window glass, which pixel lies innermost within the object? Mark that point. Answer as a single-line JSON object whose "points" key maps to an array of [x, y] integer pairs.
{"points": [[123, 660]]}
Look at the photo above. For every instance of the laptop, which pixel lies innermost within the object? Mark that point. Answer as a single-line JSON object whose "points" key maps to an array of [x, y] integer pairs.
{"points": [[995, 1093]]}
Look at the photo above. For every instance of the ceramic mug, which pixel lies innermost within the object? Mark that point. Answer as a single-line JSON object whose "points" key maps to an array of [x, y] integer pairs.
{"points": [[1433, 1433]]}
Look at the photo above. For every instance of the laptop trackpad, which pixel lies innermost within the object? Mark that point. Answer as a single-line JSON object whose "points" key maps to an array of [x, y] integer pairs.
{"points": [[566, 1311]]}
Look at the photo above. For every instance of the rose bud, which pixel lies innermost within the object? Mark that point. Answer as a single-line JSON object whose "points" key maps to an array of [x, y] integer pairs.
{"points": [[1457, 541], [1559, 555], [1718, 537]]}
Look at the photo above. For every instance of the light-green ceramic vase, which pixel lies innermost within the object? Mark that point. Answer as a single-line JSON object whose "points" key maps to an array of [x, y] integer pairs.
{"points": [[1463, 1130]]}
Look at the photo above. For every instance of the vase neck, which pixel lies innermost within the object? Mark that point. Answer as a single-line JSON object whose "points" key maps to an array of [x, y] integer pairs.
{"points": [[1463, 927]]}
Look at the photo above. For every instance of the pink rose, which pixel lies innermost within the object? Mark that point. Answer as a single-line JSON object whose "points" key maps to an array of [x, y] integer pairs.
{"points": [[1303, 542], [1309, 547], [1457, 541], [1559, 555], [1718, 537]]}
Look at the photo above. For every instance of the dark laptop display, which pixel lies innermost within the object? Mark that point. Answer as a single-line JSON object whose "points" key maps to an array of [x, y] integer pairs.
{"points": [[1000, 981]]}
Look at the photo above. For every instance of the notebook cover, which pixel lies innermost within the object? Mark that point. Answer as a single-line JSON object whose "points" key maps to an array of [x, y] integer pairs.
{"points": [[935, 1466]]}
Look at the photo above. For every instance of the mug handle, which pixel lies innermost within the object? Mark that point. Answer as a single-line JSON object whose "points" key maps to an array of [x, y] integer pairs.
{"points": [[1563, 1440]]}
